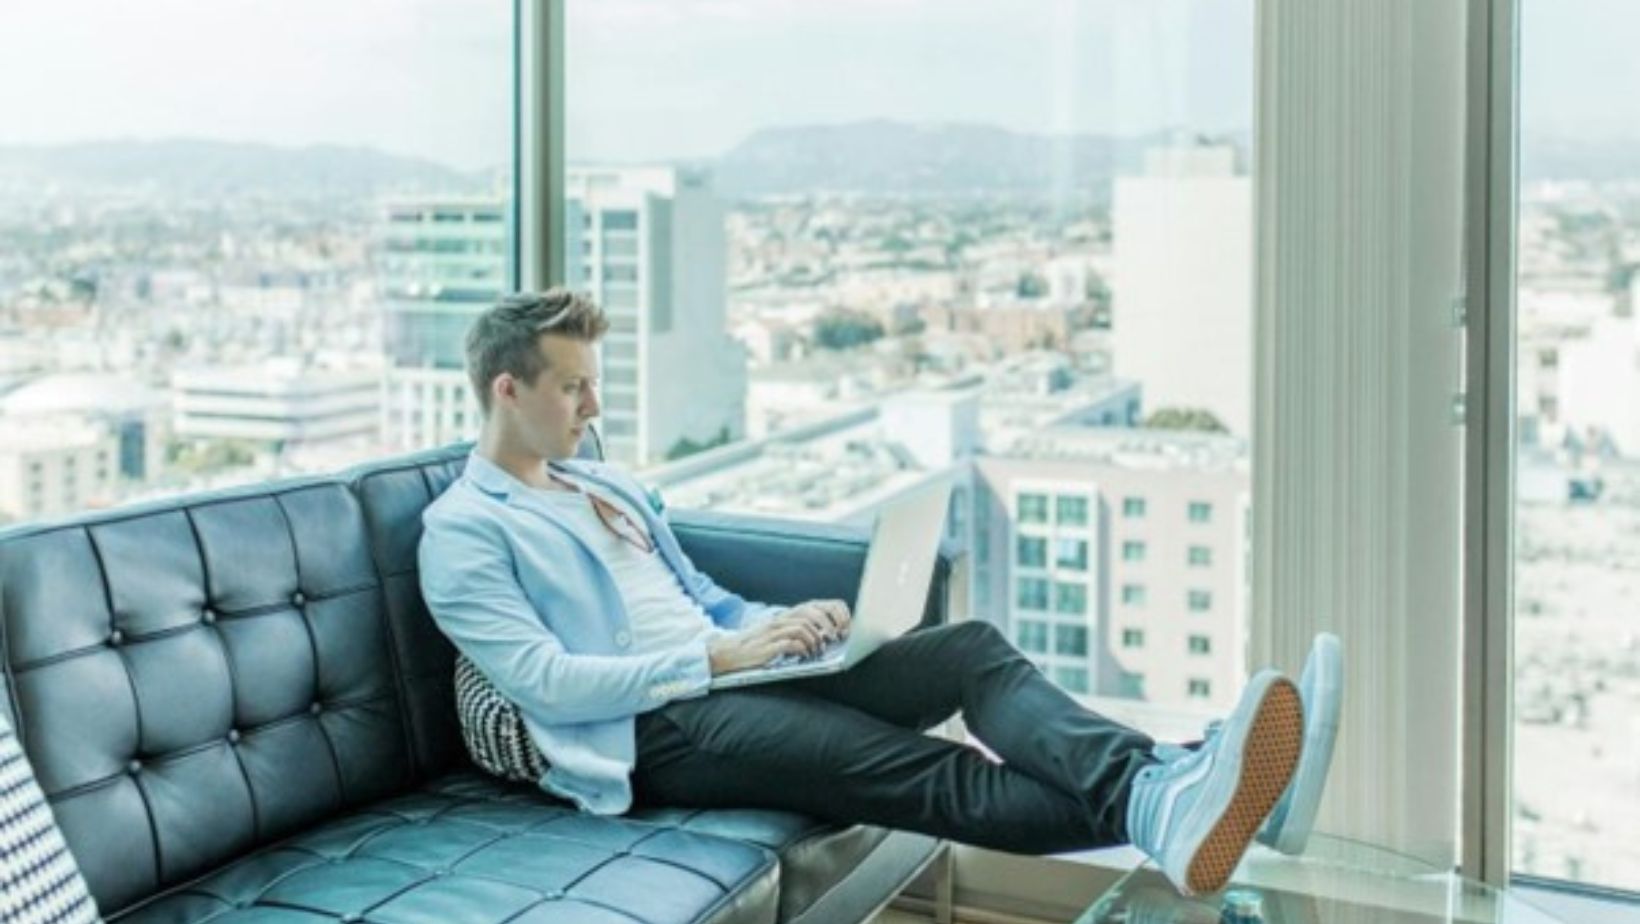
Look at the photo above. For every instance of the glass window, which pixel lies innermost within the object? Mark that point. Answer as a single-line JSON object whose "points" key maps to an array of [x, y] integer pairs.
{"points": [[1071, 511], [1131, 686], [1200, 556], [620, 272], [1576, 715], [1071, 554], [1031, 635], [1033, 508], [1133, 638], [1200, 645], [1199, 688], [1027, 244], [1072, 679], [1133, 594], [1200, 512], [620, 220], [1199, 601], [340, 188], [1032, 594], [1070, 598], [1070, 640], [1133, 551], [1031, 551]]}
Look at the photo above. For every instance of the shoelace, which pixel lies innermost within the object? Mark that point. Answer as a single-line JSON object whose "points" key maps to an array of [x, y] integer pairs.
{"points": [[1176, 757]]}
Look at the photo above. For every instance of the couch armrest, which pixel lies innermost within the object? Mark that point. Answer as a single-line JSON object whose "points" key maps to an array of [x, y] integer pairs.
{"points": [[788, 561]]}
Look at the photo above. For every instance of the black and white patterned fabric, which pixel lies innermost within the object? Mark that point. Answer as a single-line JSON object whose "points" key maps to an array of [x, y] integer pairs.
{"points": [[493, 728], [39, 882]]}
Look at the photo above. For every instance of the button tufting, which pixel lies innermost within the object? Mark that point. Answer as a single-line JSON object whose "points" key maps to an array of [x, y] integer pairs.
{"points": [[116, 637], [316, 708], [352, 917], [233, 736], [134, 766], [298, 598], [209, 616]]}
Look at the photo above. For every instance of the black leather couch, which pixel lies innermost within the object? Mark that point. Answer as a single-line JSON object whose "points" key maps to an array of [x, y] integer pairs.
{"points": [[240, 712]]}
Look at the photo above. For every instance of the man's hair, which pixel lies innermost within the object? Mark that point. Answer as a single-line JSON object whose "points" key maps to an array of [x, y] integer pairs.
{"points": [[506, 338]]}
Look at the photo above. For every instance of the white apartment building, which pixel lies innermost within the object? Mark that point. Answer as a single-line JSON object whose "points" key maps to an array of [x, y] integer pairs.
{"points": [[1182, 321], [54, 467], [279, 403], [1120, 560]]}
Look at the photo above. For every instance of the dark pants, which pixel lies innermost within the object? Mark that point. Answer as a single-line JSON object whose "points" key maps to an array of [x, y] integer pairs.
{"points": [[848, 748]]}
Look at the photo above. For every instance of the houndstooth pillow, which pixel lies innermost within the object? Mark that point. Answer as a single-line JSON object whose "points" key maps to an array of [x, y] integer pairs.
{"points": [[493, 728], [39, 882]]}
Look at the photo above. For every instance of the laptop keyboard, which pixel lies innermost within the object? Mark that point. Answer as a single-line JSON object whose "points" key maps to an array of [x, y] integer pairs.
{"points": [[789, 660]]}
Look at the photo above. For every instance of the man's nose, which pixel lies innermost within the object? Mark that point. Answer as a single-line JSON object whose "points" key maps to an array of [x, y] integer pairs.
{"points": [[590, 405]]}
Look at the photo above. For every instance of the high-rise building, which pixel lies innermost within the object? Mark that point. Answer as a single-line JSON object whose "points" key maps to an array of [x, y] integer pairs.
{"points": [[646, 243], [443, 262], [1182, 322]]}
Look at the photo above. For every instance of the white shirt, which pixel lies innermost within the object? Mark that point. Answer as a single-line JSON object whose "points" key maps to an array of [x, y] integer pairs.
{"points": [[661, 613]]}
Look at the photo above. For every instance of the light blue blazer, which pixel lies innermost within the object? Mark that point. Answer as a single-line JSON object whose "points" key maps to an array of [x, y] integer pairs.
{"points": [[520, 592]]}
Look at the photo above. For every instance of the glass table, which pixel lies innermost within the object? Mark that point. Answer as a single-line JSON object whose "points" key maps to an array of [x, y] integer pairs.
{"points": [[1336, 881]]}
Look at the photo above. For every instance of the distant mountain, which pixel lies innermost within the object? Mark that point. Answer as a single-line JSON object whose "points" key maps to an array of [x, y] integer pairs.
{"points": [[885, 157], [1595, 160], [217, 168]]}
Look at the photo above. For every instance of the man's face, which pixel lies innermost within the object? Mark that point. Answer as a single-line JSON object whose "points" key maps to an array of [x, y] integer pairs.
{"points": [[551, 415]]}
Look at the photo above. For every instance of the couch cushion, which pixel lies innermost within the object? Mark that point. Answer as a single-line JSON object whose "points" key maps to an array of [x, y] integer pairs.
{"points": [[393, 495], [197, 678], [814, 856], [470, 848]]}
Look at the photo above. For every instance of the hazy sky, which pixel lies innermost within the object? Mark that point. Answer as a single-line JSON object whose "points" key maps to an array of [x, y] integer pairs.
{"points": [[660, 78]]}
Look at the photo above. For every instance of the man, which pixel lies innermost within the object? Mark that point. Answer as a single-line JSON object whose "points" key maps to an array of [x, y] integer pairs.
{"points": [[568, 591]]}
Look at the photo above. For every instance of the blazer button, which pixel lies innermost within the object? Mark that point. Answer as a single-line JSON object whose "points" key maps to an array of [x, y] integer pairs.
{"points": [[623, 638]]}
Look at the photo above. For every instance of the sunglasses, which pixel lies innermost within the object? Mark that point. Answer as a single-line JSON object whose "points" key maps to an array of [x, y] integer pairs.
{"points": [[614, 519]]}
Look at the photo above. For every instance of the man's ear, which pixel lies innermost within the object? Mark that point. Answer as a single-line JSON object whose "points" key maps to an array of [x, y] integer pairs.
{"points": [[503, 389]]}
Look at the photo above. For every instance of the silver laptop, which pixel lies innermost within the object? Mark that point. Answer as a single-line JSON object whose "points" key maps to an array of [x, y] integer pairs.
{"points": [[893, 589]]}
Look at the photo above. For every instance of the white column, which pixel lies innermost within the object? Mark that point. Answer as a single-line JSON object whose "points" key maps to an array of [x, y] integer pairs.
{"points": [[1356, 458]]}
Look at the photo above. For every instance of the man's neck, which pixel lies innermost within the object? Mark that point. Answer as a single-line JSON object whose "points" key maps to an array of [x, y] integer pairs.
{"points": [[520, 463]]}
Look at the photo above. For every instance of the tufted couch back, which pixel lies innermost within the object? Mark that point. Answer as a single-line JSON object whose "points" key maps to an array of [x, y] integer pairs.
{"points": [[194, 678]]}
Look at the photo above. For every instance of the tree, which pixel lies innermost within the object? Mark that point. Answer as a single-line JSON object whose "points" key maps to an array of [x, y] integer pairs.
{"points": [[842, 329], [1185, 418], [688, 447], [1031, 286]]}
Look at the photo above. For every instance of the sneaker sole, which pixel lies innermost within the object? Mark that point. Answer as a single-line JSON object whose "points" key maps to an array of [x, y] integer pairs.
{"points": [[1310, 779], [1269, 757]]}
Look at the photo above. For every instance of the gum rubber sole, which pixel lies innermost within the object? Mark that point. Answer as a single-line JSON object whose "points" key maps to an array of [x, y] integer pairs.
{"points": [[1269, 758]]}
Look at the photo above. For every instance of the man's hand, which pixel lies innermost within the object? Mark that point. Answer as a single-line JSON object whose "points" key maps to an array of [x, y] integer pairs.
{"points": [[758, 646], [829, 618], [802, 630]]}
